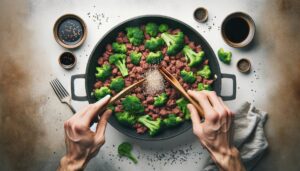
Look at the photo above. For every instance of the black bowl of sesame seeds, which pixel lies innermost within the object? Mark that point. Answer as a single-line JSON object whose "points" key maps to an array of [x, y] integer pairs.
{"points": [[70, 31]]}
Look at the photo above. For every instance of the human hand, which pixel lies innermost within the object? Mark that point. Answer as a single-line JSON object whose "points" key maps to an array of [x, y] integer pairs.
{"points": [[214, 132], [82, 144]]}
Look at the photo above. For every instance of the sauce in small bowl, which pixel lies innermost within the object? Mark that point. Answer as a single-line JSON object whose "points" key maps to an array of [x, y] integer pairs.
{"points": [[67, 60]]}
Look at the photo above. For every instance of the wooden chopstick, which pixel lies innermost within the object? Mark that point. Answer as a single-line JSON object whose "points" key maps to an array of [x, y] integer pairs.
{"points": [[175, 83], [121, 94]]}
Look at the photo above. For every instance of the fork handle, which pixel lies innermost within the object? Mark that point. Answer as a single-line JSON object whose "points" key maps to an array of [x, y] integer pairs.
{"points": [[72, 108]]}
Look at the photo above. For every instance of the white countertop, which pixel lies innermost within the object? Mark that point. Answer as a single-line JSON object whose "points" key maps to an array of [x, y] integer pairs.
{"points": [[181, 153]]}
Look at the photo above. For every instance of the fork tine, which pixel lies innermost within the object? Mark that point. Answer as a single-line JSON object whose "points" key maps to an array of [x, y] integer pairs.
{"points": [[59, 89], [62, 87], [55, 90]]}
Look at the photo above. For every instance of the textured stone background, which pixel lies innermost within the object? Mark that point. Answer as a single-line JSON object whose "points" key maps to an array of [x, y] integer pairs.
{"points": [[23, 132]]}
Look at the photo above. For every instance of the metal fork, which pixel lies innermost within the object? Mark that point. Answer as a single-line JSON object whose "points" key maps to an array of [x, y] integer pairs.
{"points": [[62, 93]]}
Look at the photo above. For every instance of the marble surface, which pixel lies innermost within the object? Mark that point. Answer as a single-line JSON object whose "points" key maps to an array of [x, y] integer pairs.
{"points": [[39, 52]]}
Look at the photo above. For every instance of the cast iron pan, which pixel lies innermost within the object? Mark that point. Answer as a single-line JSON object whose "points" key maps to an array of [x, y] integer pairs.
{"points": [[99, 49]]}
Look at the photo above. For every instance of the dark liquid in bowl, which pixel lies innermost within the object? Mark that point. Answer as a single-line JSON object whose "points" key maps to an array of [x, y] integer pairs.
{"points": [[236, 29]]}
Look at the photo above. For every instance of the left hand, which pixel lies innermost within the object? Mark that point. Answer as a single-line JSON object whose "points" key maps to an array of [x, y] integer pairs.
{"points": [[83, 144]]}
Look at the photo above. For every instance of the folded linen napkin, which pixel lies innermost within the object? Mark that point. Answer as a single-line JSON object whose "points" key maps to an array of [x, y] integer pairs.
{"points": [[248, 136]]}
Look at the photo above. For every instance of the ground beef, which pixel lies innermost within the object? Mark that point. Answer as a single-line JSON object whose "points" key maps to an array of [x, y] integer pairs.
{"points": [[174, 64]]}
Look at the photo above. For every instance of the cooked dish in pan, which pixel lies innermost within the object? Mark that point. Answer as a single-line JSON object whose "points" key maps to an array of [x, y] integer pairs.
{"points": [[134, 55]]}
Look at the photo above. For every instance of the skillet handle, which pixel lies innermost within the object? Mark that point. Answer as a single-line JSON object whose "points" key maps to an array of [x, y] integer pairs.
{"points": [[74, 96], [233, 96]]}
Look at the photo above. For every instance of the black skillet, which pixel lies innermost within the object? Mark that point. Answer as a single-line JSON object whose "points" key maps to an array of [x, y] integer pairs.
{"points": [[109, 37]]}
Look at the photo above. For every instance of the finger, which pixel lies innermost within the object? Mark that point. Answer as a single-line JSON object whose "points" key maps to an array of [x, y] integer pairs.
{"points": [[94, 108], [227, 126], [100, 130], [213, 98], [225, 107], [196, 121], [203, 101]]}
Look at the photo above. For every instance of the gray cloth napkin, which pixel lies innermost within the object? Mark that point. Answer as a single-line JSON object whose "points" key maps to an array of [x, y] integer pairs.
{"points": [[248, 136]]}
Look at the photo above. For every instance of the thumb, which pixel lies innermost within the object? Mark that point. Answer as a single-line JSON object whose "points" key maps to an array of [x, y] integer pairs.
{"points": [[196, 121], [100, 130]]}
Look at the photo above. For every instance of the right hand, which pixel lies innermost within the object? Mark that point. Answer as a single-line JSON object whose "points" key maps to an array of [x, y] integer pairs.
{"points": [[214, 132]]}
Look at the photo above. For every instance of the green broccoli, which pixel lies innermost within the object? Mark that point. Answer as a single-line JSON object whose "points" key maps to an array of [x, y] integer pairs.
{"points": [[125, 118], [205, 72], [103, 72], [154, 43], [135, 35], [154, 126], [163, 28], [125, 149], [135, 57], [133, 105], [182, 105], [119, 47], [224, 56], [154, 57], [175, 43], [172, 120], [188, 77], [160, 100], [111, 107], [119, 60], [117, 84], [202, 86], [101, 92], [151, 29], [194, 59]]}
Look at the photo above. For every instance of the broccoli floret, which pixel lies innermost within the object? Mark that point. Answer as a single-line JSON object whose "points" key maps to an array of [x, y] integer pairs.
{"points": [[202, 86], [224, 56], [163, 28], [135, 35], [154, 43], [133, 105], [117, 84], [125, 118], [111, 107], [119, 60], [172, 120], [135, 57], [160, 100], [175, 43], [103, 72], [182, 105], [153, 126], [101, 92], [194, 59], [151, 29], [119, 47], [188, 77], [205, 72], [154, 57], [125, 149]]}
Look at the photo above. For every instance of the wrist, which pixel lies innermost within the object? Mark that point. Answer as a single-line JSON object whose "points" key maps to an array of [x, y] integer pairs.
{"points": [[68, 164], [228, 159]]}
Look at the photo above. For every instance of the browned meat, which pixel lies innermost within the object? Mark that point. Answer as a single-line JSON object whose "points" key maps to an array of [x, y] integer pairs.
{"points": [[98, 84]]}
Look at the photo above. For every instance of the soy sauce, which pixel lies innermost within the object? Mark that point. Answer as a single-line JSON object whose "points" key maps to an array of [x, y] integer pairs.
{"points": [[236, 29], [67, 58]]}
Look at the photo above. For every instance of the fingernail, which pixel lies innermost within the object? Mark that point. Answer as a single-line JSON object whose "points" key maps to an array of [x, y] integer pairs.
{"points": [[104, 99]]}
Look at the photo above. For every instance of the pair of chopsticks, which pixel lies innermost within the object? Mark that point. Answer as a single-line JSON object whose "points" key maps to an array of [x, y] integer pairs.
{"points": [[175, 83], [170, 78]]}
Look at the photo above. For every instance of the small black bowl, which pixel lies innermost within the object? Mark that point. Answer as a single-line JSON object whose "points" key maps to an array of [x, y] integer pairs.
{"points": [[201, 15], [67, 60]]}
